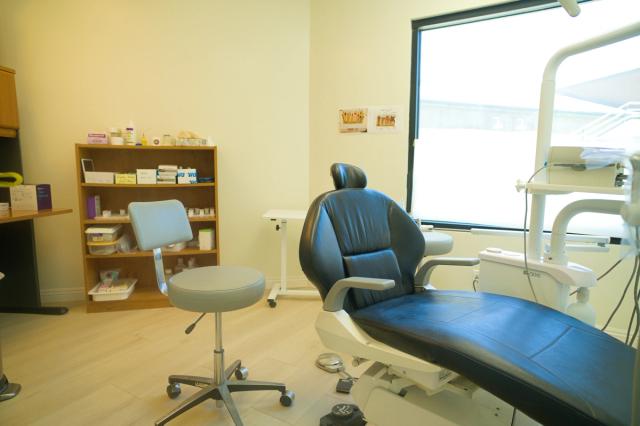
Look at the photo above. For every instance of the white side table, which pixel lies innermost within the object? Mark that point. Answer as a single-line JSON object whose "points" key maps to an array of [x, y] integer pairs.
{"points": [[280, 289]]}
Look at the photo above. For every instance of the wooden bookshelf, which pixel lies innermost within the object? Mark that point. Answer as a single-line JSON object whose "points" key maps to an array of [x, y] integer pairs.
{"points": [[126, 220], [115, 197]]}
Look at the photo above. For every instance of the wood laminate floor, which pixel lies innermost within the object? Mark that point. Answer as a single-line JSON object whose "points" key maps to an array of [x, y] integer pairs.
{"points": [[111, 368]]}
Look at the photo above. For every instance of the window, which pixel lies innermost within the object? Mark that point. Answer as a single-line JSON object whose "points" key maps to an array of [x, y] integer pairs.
{"points": [[475, 93]]}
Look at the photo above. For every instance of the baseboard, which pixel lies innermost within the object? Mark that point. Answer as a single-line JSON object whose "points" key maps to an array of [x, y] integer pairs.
{"points": [[292, 282], [65, 294]]}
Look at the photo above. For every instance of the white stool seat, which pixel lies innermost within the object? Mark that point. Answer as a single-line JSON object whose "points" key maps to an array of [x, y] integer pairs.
{"points": [[216, 288]]}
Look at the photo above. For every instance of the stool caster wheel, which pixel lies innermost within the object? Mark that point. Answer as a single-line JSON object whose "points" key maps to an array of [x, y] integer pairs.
{"points": [[272, 303], [242, 373], [287, 397], [173, 390]]}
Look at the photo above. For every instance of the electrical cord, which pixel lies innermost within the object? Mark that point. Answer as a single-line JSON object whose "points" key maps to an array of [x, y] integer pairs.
{"points": [[604, 274], [524, 231], [636, 302], [610, 269], [624, 293], [636, 294], [632, 319]]}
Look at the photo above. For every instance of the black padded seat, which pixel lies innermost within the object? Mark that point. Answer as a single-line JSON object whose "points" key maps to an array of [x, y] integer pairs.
{"points": [[526, 354]]}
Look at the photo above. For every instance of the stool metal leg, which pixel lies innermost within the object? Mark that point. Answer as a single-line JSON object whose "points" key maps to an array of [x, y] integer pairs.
{"points": [[220, 387], [8, 390], [192, 401], [201, 382], [232, 369], [252, 385], [231, 406]]}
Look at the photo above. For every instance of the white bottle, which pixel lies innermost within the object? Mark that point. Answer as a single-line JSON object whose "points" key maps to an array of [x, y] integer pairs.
{"points": [[130, 134], [582, 309], [191, 263]]}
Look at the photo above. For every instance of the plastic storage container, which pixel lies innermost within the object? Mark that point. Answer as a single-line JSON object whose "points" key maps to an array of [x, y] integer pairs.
{"points": [[104, 296], [97, 234], [103, 248]]}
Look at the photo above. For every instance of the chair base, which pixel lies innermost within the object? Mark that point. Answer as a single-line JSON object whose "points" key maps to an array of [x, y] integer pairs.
{"points": [[8, 390], [220, 392]]}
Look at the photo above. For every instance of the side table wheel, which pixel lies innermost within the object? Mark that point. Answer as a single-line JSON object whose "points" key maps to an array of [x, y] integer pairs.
{"points": [[287, 397], [272, 303], [242, 373], [173, 390]]}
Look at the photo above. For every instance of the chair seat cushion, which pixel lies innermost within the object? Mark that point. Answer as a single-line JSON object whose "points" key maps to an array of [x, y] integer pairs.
{"points": [[550, 366], [216, 288]]}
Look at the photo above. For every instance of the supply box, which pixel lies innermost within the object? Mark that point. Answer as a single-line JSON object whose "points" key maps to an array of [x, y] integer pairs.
{"points": [[126, 179], [103, 233], [30, 197], [146, 176], [98, 177]]}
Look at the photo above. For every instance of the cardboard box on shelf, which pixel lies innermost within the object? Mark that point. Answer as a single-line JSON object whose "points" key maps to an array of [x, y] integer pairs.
{"points": [[30, 197]]}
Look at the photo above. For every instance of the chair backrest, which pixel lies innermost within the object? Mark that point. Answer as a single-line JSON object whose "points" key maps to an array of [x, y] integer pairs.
{"points": [[348, 176], [159, 223], [354, 231]]}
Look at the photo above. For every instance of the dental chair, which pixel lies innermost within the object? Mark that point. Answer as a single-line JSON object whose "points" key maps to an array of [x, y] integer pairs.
{"points": [[447, 357]]}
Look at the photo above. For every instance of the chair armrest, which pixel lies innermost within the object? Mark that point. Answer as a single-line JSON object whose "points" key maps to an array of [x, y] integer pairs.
{"points": [[334, 301], [424, 273]]}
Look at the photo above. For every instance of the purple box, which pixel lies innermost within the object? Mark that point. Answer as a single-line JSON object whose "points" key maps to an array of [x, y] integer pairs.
{"points": [[43, 194], [93, 207]]}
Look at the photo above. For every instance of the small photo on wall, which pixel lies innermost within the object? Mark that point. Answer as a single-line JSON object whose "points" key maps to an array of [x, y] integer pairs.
{"points": [[386, 119], [353, 120]]}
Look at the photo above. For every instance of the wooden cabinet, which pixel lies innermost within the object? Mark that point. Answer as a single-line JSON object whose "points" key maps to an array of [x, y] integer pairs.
{"points": [[114, 197], [8, 103]]}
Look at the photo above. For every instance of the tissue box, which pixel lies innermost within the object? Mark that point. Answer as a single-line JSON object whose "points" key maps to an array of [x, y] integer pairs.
{"points": [[30, 197], [146, 176]]}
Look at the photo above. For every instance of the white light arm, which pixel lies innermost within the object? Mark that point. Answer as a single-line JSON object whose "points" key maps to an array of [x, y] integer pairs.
{"points": [[571, 6], [557, 253]]}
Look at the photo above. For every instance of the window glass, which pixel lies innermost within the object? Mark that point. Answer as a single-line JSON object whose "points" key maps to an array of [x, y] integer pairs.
{"points": [[479, 90]]}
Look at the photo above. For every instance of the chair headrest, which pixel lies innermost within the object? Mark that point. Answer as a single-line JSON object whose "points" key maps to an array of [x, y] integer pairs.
{"points": [[348, 176]]}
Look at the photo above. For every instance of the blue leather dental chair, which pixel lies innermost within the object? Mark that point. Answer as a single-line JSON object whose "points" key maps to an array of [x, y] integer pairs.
{"points": [[447, 357], [207, 289]]}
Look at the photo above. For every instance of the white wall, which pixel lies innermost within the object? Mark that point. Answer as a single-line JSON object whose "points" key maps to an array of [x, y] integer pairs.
{"points": [[235, 70], [360, 56], [265, 79]]}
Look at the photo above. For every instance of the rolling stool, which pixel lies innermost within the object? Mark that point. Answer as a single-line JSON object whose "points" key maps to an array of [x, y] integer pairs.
{"points": [[208, 289]]}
